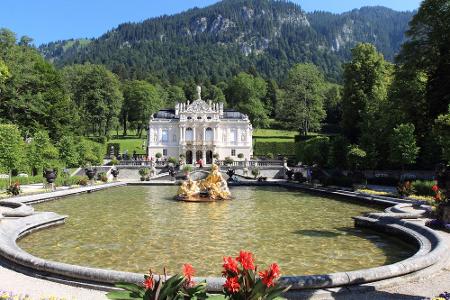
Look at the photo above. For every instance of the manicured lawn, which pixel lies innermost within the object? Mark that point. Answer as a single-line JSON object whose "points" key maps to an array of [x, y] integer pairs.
{"points": [[131, 144], [273, 135]]}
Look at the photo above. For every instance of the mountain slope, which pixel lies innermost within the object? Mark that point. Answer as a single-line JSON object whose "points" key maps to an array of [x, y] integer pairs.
{"points": [[218, 41]]}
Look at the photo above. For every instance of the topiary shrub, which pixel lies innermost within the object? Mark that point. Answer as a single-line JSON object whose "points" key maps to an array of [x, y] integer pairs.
{"points": [[172, 160], [83, 181], [228, 161], [255, 172], [241, 155]]}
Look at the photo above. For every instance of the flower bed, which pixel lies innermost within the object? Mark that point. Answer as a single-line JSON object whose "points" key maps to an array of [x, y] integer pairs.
{"points": [[242, 282]]}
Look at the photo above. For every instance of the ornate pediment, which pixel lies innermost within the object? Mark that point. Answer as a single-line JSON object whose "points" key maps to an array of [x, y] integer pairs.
{"points": [[198, 106]]}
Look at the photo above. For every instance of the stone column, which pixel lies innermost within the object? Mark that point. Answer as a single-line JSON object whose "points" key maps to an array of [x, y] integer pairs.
{"points": [[159, 135], [180, 138], [194, 133]]}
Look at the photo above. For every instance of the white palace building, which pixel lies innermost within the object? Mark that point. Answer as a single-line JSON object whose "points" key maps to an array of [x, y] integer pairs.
{"points": [[198, 130]]}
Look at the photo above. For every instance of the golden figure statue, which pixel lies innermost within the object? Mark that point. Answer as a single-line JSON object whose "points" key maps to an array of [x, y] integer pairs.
{"points": [[213, 187]]}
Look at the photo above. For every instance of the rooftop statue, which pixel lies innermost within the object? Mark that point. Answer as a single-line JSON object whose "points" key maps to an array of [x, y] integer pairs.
{"points": [[213, 187]]}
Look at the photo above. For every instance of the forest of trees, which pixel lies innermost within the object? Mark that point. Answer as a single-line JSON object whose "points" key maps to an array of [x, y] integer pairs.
{"points": [[383, 114], [215, 43]]}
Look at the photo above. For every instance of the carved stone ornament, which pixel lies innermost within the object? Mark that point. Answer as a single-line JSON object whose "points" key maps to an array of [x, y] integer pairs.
{"points": [[199, 106]]}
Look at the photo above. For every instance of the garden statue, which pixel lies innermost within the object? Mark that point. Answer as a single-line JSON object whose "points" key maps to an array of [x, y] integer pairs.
{"points": [[213, 187]]}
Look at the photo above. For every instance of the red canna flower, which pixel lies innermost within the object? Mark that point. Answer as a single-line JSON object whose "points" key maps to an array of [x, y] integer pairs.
{"points": [[149, 283], [275, 270], [269, 275], [435, 188], [230, 266], [437, 197], [188, 272], [246, 260], [266, 278], [232, 284]]}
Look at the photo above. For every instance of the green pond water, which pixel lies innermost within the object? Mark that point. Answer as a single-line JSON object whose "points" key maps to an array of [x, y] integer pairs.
{"points": [[135, 228]]}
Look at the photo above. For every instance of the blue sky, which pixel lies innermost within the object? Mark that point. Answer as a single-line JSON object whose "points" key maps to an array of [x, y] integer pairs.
{"points": [[51, 20]]}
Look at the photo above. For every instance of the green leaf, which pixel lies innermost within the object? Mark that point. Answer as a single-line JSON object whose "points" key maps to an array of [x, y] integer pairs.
{"points": [[215, 296], [123, 295], [131, 287]]}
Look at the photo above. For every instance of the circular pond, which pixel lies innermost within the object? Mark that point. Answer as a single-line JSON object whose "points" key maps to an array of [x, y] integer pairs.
{"points": [[135, 228]]}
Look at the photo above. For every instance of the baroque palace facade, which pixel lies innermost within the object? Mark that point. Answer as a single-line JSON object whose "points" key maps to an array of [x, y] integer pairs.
{"points": [[198, 130]]}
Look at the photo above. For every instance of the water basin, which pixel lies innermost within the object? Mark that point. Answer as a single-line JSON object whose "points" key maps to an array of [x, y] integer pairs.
{"points": [[137, 228]]}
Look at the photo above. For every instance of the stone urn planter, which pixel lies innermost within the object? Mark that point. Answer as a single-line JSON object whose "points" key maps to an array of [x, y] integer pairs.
{"points": [[50, 175], [90, 173], [231, 173], [289, 174], [115, 173]]}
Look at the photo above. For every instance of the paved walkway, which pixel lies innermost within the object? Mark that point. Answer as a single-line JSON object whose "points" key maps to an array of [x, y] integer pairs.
{"points": [[38, 288]]}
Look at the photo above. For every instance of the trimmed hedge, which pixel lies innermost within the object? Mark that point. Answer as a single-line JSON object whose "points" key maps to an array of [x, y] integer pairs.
{"points": [[314, 151], [116, 148], [276, 148]]}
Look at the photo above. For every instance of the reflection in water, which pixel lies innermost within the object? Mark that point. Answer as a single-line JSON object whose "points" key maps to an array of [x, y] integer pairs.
{"points": [[134, 228]]}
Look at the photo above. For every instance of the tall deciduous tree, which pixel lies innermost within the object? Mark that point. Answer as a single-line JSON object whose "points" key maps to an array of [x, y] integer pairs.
{"points": [[174, 94], [68, 151], [303, 108], [428, 50], [442, 132], [141, 100], [4, 72], [11, 148], [41, 153], [97, 94], [367, 79], [246, 93], [333, 103], [403, 148], [33, 95], [366, 82]]}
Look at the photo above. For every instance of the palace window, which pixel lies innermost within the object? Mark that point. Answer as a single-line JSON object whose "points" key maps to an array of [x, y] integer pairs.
{"points": [[233, 152], [199, 118], [164, 152], [189, 134], [209, 134], [165, 136], [233, 136]]}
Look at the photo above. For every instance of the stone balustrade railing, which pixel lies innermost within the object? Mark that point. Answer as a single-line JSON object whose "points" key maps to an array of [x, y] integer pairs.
{"points": [[252, 163], [235, 164]]}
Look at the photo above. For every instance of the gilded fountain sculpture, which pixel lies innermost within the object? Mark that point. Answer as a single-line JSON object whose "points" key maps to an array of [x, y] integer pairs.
{"points": [[213, 187]]}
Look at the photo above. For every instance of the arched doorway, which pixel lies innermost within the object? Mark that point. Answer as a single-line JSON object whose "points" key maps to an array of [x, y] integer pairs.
{"points": [[209, 157], [189, 157], [198, 155]]}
